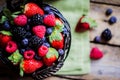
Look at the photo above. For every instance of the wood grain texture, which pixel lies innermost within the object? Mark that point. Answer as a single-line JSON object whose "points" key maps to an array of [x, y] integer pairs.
{"points": [[97, 11], [109, 2]]}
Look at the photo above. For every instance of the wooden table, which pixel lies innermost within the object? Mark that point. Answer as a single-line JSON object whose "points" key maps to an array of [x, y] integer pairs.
{"points": [[107, 68]]}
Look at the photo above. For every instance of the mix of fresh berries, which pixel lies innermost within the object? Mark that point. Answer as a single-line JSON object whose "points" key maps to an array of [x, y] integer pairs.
{"points": [[85, 23], [96, 53], [33, 39], [106, 35]]}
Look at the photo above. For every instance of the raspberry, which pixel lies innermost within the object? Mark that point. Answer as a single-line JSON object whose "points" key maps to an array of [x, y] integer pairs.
{"points": [[42, 51], [29, 54], [20, 20], [18, 32], [96, 53], [35, 41], [49, 20], [39, 31], [11, 47], [36, 19]]}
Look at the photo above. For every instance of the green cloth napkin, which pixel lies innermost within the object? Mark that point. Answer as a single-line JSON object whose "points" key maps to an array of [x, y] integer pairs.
{"points": [[78, 61]]}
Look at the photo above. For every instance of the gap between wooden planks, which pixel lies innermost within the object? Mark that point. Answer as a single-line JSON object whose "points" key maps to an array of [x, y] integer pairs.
{"points": [[97, 11]]}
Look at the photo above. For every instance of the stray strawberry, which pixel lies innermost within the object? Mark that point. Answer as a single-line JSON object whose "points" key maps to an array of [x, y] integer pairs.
{"points": [[85, 23], [56, 39], [96, 53], [32, 9], [50, 57], [49, 20], [20, 20], [42, 51], [39, 31], [29, 54], [29, 66], [11, 47]]}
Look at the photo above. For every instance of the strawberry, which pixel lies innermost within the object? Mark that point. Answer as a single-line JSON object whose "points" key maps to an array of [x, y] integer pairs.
{"points": [[20, 20], [50, 57], [49, 20], [4, 39], [59, 25], [32, 9], [96, 53], [56, 39], [85, 24], [39, 31], [29, 66]]}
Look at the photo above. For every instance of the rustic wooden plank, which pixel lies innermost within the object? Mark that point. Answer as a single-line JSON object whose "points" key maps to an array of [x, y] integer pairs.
{"points": [[97, 11], [110, 2]]}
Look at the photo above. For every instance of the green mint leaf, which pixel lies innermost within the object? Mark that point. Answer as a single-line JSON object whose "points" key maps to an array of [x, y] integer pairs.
{"points": [[6, 33]]}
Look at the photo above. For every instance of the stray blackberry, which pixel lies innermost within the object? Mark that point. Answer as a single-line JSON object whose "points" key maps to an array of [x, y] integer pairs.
{"points": [[35, 42], [36, 19], [106, 34], [18, 32]]}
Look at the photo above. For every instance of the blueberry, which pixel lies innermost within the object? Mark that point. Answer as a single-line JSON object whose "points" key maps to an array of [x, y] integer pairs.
{"points": [[49, 31], [44, 39], [60, 51], [112, 20], [46, 44], [47, 9], [6, 25], [106, 34], [37, 57], [22, 51], [65, 32], [97, 39], [109, 11], [24, 42]]}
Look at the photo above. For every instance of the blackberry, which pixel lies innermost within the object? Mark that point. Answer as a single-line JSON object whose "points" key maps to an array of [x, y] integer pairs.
{"points": [[106, 34], [18, 32], [36, 19], [35, 42]]}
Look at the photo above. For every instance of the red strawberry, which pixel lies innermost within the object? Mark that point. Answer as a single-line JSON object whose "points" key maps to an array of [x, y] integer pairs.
{"points": [[11, 47], [56, 39], [50, 57], [29, 54], [59, 25], [39, 31], [84, 24], [42, 51], [32, 9], [96, 53], [4, 39], [49, 20], [20, 20], [29, 66]]}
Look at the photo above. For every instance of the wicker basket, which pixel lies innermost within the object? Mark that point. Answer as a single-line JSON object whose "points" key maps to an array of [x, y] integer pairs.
{"points": [[49, 71]]}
